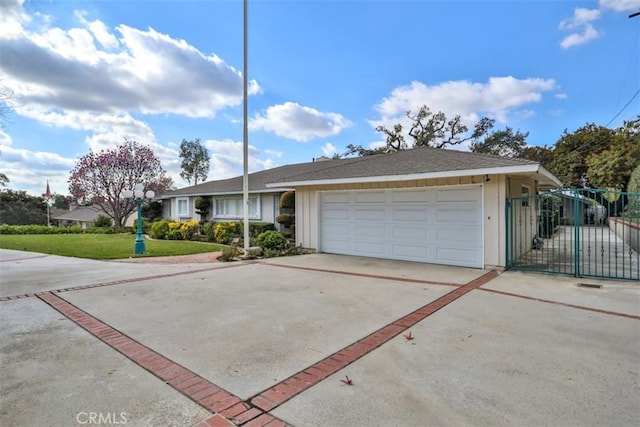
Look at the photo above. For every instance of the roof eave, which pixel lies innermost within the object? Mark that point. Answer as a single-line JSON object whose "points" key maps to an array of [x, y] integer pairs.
{"points": [[533, 168], [223, 193]]}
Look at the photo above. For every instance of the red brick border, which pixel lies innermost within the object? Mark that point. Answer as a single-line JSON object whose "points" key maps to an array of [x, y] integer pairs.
{"points": [[299, 382], [370, 276], [565, 304], [24, 259], [224, 404], [120, 282]]}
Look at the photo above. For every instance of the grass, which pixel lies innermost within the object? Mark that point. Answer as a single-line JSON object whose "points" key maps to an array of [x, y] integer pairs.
{"points": [[100, 246]]}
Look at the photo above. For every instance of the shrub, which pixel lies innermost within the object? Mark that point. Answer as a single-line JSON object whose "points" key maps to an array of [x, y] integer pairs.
{"points": [[103, 221], [286, 219], [271, 240], [160, 229], [270, 253], [207, 229], [224, 232], [257, 228], [288, 200], [229, 253], [189, 229], [174, 234]]}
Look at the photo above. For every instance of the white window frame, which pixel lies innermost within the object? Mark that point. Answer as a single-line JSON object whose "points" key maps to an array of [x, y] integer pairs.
{"points": [[526, 194], [180, 213], [237, 215]]}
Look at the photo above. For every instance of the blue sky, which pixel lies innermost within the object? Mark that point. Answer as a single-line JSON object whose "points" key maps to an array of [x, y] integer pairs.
{"points": [[85, 75]]}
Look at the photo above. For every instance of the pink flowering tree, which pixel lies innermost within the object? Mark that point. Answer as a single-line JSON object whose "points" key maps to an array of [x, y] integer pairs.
{"points": [[101, 178]]}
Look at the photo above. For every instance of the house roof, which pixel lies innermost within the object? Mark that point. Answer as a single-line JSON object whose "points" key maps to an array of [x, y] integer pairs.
{"points": [[418, 163], [80, 213], [422, 162], [257, 180]]}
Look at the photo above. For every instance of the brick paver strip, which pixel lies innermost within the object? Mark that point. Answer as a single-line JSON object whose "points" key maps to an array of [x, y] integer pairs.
{"points": [[370, 276], [190, 384], [308, 377], [122, 281], [564, 304]]}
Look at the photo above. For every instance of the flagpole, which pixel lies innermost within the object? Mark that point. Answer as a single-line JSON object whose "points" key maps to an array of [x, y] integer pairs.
{"points": [[245, 136]]}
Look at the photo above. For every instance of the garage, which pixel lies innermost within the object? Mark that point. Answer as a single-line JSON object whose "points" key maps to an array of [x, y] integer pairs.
{"points": [[440, 225]]}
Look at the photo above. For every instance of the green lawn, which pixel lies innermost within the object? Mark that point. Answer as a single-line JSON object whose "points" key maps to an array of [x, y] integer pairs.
{"points": [[100, 246]]}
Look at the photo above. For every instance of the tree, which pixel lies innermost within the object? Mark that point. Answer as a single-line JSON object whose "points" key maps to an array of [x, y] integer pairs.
{"points": [[503, 143], [572, 150], [427, 130], [4, 179], [195, 161], [100, 178], [542, 155], [6, 106], [612, 167], [20, 208]]}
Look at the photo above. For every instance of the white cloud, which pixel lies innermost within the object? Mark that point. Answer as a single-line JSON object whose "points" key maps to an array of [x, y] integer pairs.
{"points": [[470, 100], [329, 149], [297, 122], [620, 5], [227, 159], [273, 153], [90, 68], [574, 39], [561, 95], [581, 16], [581, 23]]}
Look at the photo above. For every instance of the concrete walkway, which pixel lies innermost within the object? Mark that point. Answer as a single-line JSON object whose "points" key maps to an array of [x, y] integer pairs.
{"points": [[272, 342]]}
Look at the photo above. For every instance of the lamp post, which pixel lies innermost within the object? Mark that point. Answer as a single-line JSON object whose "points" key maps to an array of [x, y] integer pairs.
{"points": [[138, 194]]}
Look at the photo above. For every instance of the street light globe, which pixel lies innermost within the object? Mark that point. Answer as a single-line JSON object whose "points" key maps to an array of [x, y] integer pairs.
{"points": [[127, 194], [139, 194], [150, 194], [139, 187]]}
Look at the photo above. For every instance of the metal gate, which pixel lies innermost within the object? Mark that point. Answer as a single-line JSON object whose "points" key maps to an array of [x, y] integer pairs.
{"points": [[580, 232]]}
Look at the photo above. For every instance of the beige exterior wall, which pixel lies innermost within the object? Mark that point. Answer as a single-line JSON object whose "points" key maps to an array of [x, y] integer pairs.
{"points": [[494, 194]]}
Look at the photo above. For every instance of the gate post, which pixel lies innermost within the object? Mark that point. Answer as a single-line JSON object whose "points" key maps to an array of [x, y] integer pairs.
{"points": [[576, 233], [507, 210]]}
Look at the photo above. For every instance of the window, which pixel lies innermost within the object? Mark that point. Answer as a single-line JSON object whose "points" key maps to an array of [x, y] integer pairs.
{"points": [[183, 207], [231, 207], [526, 193]]}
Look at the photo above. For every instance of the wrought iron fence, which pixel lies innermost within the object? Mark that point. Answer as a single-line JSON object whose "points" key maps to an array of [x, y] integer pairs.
{"points": [[580, 232]]}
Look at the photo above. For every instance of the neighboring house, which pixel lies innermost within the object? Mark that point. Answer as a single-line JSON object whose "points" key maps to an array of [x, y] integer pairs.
{"points": [[426, 205], [83, 216]]}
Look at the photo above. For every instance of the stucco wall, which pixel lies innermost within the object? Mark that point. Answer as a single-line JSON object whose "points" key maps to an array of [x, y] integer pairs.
{"points": [[494, 193]]}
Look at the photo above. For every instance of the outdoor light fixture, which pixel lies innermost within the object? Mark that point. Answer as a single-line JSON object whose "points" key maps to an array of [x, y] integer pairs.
{"points": [[139, 195]]}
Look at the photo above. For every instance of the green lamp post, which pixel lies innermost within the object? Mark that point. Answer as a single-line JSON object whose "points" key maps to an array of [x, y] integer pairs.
{"points": [[138, 195]]}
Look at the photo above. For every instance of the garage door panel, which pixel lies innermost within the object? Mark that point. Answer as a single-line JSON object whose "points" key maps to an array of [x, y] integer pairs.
{"points": [[459, 215], [409, 233], [412, 213], [370, 197], [370, 248], [378, 214], [409, 252], [458, 195], [329, 198], [427, 225], [464, 235], [462, 257], [410, 196], [335, 213], [369, 232]]}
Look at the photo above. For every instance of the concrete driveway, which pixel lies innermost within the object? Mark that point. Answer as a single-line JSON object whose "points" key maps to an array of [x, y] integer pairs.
{"points": [[272, 342]]}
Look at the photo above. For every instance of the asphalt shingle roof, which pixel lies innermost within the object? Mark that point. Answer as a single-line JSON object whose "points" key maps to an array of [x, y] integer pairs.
{"points": [[406, 162]]}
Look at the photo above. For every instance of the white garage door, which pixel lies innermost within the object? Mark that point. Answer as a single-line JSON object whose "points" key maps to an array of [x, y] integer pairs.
{"points": [[435, 225]]}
